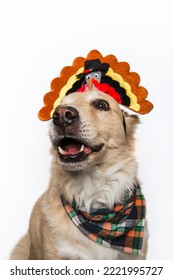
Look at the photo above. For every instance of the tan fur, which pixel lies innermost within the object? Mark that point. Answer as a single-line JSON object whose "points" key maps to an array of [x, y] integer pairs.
{"points": [[98, 182]]}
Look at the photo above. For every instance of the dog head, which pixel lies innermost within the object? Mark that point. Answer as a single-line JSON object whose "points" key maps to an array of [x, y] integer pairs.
{"points": [[88, 128]]}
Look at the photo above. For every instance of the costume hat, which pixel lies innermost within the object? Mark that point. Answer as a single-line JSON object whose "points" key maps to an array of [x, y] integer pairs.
{"points": [[118, 77], [93, 66]]}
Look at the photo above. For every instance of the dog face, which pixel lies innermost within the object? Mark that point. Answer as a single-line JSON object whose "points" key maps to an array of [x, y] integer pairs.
{"points": [[87, 128]]}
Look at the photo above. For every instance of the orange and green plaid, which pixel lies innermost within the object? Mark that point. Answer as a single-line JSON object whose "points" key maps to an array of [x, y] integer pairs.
{"points": [[119, 228]]}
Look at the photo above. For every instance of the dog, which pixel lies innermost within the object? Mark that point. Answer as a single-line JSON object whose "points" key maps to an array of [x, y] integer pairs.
{"points": [[93, 163]]}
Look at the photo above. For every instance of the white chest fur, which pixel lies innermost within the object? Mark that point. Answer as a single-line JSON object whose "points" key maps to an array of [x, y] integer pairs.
{"points": [[87, 250]]}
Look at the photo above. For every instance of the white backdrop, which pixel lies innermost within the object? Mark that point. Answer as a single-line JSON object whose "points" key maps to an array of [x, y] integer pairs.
{"points": [[39, 38]]}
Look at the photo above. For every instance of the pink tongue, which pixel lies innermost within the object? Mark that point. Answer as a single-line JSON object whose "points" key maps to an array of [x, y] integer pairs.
{"points": [[72, 149], [75, 149]]}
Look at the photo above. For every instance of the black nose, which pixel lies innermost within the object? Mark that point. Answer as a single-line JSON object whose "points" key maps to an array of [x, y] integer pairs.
{"points": [[65, 115]]}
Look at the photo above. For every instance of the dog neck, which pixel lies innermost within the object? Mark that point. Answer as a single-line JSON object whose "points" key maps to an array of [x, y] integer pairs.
{"points": [[97, 187]]}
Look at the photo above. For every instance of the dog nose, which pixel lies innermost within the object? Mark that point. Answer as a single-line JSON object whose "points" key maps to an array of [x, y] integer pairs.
{"points": [[65, 115]]}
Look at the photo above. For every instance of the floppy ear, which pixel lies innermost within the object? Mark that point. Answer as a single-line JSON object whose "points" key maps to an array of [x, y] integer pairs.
{"points": [[130, 123]]}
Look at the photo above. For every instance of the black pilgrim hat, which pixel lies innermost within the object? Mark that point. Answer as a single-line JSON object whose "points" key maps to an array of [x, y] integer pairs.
{"points": [[93, 66]]}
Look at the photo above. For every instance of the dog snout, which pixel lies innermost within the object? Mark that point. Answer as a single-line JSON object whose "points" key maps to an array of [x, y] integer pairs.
{"points": [[65, 115]]}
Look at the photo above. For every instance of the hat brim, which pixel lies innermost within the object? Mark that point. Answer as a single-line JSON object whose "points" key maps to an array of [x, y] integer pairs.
{"points": [[103, 68]]}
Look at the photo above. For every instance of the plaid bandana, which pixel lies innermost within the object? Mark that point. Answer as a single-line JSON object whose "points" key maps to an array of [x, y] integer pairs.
{"points": [[119, 228]]}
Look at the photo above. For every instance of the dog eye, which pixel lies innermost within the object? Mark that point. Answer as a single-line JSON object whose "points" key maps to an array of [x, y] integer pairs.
{"points": [[101, 105]]}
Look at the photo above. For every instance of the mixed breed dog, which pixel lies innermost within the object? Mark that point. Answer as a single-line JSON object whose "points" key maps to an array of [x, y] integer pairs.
{"points": [[94, 207]]}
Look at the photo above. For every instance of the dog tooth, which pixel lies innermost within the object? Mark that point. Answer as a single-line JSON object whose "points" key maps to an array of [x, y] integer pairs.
{"points": [[61, 151], [82, 148]]}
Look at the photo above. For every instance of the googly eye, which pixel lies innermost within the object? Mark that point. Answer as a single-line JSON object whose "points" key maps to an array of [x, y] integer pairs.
{"points": [[96, 75], [88, 77]]}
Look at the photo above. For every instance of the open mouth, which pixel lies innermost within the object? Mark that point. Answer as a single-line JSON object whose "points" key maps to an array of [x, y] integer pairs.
{"points": [[73, 150]]}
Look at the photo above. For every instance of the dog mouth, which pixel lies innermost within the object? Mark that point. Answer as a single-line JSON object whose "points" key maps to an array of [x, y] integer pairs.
{"points": [[74, 150]]}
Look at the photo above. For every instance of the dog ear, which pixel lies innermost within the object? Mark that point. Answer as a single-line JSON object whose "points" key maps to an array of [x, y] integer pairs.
{"points": [[130, 122]]}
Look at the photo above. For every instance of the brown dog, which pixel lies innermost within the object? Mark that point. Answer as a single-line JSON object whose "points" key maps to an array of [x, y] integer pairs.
{"points": [[93, 164]]}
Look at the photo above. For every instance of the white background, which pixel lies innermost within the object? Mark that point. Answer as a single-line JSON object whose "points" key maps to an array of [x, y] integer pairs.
{"points": [[38, 38]]}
